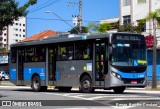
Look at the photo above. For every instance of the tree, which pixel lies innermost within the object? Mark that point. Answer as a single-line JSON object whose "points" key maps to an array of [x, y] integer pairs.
{"points": [[141, 25], [75, 30], [102, 28], [155, 17], [92, 27], [10, 11]]}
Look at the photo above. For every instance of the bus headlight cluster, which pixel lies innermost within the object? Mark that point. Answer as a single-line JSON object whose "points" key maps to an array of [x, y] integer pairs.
{"points": [[116, 75]]}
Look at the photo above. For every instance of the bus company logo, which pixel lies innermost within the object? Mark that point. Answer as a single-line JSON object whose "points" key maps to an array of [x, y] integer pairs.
{"points": [[6, 103]]}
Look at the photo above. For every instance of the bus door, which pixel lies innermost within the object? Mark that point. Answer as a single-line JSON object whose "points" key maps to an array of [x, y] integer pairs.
{"points": [[51, 65], [20, 66], [100, 63]]}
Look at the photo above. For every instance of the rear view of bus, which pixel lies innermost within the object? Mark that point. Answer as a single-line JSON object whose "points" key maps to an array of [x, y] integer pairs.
{"points": [[127, 61]]}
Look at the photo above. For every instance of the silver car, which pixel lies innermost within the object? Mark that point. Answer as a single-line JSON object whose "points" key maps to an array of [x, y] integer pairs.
{"points": [[3, 76]]}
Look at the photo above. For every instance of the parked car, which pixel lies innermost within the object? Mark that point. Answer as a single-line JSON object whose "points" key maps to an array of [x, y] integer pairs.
{"points": [[4, 76]]}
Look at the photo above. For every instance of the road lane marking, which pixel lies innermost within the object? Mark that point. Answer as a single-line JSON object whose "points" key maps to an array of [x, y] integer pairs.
{"points": [[136, 98], [96, 96]]}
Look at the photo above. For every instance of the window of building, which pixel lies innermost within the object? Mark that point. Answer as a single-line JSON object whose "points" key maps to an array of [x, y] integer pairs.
{"points": [[126, 19], [16, 40], [19, 35], [4, 39], [24, 25], [5, 34], [16, 34], [83, 50], [16, 23], [23, 30], [19, 29], [20, 24], [141, 1], [16, 29], [126, 2], [23, 35], [65, 52]]}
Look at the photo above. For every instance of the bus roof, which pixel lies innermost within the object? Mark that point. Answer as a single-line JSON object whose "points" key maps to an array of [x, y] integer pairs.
{"points": [[66, 38]]}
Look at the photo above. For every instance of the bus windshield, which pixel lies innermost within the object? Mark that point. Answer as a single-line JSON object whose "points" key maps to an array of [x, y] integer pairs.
{"points": [[128, 54]]}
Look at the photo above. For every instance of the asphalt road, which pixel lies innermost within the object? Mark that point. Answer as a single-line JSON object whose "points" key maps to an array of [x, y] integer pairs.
{"points": [[23, 97]]}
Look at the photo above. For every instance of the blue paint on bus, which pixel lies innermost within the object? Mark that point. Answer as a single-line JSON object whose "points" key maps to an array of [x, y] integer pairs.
{"points": [[57, 75], [150, 64], [28, 72], [132, 75], [13, 74]]}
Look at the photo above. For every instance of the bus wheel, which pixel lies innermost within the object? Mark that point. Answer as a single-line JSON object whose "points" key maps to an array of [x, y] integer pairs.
{"points": [[36, 84], [119, 89], [64, 89], [86, 84]]}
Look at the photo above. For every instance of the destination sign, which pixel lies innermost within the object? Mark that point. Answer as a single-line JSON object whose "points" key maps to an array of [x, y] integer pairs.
{"points": [[128, 37]]}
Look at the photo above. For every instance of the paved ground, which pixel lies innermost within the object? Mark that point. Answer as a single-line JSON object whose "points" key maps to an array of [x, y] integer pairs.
{"points": [[100, 99]]}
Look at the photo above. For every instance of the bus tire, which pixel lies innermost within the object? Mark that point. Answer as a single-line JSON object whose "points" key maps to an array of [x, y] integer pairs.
{"points": [[119, 89], [64, 89], [36, 84], [86, 85]]}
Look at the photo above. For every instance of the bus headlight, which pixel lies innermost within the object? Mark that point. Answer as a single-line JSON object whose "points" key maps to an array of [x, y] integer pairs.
{"points": [[116, 75]]}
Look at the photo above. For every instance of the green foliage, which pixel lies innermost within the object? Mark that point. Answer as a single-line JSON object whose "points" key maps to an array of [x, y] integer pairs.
{"points": [[140, 26], [9, 11], [154, 16], [131, 28], [92, 27], [102, 28], [127, 28], [75, 30]]}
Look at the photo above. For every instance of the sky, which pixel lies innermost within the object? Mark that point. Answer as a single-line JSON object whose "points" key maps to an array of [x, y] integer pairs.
{"points": [[92, 12]]}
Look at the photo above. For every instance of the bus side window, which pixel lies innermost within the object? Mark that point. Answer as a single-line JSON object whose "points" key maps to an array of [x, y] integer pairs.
{"points": [[83, 50], [13, 55], [39, 54], [85, 56], [29, 57], [63, 56], [65, 52]]}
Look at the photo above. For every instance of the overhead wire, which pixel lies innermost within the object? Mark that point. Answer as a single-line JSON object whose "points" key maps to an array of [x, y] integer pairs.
{"points": [[41, 5], [54, 2]]}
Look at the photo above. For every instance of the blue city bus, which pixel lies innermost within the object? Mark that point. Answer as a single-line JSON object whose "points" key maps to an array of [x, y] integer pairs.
{"points": [[100, 61], [150, 64]]}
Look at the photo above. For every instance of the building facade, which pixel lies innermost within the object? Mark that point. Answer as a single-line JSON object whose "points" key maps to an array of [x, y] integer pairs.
{"points": [[14, 33], [132, 11]]}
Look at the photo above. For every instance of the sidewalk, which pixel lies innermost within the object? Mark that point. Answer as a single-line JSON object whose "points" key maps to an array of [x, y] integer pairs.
{"points": [[6, 83]]}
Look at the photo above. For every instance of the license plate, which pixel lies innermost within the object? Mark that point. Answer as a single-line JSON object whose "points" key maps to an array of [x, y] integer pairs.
{"points": [[133, 82]]}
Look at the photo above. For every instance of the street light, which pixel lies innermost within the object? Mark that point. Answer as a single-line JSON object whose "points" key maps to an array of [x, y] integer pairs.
{"points": [[61, 19]]}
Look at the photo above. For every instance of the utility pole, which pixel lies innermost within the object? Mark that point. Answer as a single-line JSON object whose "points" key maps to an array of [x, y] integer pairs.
{"points": [[154, 81], [80, 14]]}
